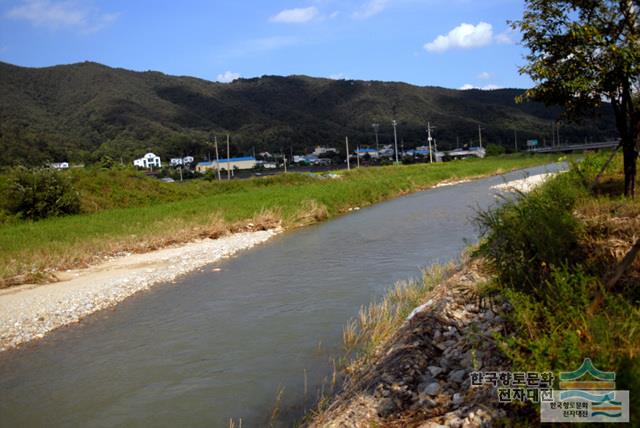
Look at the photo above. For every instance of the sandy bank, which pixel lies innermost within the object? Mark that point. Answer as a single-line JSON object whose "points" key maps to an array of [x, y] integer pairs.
{"points": [[30, 311], [524, 185]]}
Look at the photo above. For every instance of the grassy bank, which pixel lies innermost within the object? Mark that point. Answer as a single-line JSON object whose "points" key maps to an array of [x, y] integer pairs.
{"points": [[163, 214], [551, 255], [554, 255]]}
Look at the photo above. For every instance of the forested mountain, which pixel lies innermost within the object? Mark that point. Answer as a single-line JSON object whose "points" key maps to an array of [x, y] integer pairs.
{"points": [[82, 112]]}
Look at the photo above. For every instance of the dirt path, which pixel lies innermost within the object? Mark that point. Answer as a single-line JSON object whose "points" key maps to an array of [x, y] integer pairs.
{"points": [[28, 312]]}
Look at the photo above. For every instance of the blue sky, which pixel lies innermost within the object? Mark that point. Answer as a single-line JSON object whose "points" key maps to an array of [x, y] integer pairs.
{"points": [[450, 43]]}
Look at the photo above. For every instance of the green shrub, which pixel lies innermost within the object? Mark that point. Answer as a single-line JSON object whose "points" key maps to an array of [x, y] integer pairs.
{"points": [[556, 332], [495, 150], [536, 248], [527, 237], [39, 193]]}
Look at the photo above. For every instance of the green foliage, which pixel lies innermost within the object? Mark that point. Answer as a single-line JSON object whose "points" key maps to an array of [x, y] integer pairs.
{"points": [[84, 112], [580, 51], [39, 193], [526, 238], [537, 247], [495, 150], [556, 333]]}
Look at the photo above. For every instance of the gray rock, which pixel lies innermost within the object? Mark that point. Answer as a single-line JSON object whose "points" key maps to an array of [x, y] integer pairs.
{"points": [[435, 370], [432, 389], [457, 398], [457, 376]]}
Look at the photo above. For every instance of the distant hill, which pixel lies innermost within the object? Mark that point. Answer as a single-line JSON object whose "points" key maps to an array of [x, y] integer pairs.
{"points": [[81, 112]]}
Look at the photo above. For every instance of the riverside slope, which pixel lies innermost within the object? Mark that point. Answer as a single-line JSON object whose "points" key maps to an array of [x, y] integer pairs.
{"points": [[420, 376]]}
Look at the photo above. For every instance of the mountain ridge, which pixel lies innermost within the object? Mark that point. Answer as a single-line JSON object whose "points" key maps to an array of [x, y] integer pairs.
{"points": [[84, 111]]}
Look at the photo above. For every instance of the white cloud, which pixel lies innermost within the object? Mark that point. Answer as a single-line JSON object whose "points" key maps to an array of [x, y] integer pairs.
{"points": [[505, 38], [296, 16], [338, 76], [464, 36], [227, 77], [62, 14], [489, 87], [485, 75], [372, 7]]}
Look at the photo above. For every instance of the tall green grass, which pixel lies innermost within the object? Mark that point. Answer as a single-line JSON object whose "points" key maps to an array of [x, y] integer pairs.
{"points": [[162, 213], [551, 253]]}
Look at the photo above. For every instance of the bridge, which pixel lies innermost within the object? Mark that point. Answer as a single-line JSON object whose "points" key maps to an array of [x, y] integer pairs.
{"points": [[568, 148]]}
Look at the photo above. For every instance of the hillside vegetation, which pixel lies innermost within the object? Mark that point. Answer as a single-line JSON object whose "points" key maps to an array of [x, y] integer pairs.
{"points": [[82, 112]]}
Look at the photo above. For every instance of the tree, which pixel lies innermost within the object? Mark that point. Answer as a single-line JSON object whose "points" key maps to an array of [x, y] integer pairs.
{"points": [[584, 52], [495, 150]]}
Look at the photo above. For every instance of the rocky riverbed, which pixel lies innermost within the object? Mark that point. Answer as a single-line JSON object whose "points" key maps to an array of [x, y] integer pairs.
{"points": [[28, 312], [421, 377]]}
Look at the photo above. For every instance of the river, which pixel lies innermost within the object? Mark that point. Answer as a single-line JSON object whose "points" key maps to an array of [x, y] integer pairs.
{"points": [[220, 344]]}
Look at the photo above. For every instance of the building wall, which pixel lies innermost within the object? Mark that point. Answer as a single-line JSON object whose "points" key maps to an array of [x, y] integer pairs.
{"points": [[244, 164]]}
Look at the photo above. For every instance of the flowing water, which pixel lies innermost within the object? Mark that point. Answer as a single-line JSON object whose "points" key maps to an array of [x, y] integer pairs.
{"points": [[222, 344]]}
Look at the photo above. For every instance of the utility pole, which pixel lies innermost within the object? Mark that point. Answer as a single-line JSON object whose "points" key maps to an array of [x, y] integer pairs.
{"points": [[346, 140], [284, 161], [376, 127], [215, 139], [480, 136], [395, 139], [358, 155], [228, 160], [430, 140]]}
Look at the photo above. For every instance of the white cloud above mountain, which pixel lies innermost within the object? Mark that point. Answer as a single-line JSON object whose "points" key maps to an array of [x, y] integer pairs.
{"points": [[56, 14], [296, 15], [464, 36], [227, 77]]}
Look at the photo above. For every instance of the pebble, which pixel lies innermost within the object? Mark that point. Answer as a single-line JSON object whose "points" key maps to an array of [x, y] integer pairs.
{"points": [[457, 376], [435, 371], [432, 389]]}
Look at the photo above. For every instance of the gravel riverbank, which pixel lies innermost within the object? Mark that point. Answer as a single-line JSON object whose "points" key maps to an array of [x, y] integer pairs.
{"points": [[421, 377], [524, 185], [28, 312]]}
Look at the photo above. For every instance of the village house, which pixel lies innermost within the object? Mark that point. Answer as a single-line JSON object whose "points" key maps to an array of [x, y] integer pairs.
{"points": [[187, 160], [247, 162], [324, 150], [363, 151], [148, 161]]}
